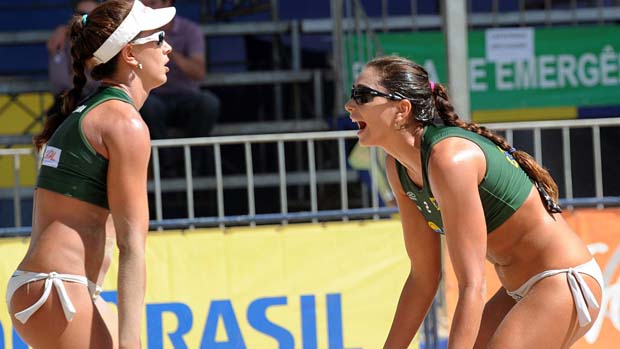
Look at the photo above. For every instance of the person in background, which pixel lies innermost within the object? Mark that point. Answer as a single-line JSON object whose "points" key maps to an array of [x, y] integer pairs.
{"points": [[491, 201], [180, 103], [60, 65], [91, 189]]}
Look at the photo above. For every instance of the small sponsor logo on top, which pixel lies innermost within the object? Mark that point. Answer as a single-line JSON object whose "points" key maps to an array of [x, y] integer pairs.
{"points": [[51, 157]]}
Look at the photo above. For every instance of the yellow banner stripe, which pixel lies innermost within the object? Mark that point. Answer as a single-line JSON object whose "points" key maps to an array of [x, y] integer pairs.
{"points": [[525, 114]]}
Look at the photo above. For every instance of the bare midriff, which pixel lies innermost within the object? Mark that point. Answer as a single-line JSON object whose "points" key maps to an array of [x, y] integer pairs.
{"points": [[532, 241], [69, 236]]}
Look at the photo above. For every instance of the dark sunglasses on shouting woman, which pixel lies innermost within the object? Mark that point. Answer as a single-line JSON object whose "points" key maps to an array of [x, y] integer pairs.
{"points": [[363, 94]]}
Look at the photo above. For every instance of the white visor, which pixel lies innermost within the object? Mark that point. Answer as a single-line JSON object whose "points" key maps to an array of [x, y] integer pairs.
{"points": [[139, 19]]}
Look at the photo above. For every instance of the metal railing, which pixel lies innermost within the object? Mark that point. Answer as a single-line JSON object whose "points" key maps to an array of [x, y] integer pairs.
{"points": [[322, 164], [282, 179]]}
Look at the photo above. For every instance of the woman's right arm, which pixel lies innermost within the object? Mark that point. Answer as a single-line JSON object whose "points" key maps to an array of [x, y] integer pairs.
{"points": [[424, 250]]}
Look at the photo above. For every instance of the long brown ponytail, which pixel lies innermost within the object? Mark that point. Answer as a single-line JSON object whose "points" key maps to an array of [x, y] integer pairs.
{"points": [[398, 74], [87, 34]]}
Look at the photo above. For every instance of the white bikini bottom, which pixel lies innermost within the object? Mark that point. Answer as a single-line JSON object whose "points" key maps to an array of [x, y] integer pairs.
{"points": [[21, 278], [582, 295]]}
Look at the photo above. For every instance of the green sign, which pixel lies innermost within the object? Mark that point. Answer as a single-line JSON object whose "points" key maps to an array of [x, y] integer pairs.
{"points": [[576, 66]]}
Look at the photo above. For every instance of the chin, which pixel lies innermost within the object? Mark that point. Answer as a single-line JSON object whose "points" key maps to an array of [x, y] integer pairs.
{"points": [[160, 82]]}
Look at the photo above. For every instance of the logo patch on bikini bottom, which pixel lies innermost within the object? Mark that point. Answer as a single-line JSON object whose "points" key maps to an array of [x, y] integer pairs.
{"points": [[51, 157]]}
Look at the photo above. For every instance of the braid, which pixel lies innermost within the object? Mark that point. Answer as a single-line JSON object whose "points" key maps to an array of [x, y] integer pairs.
{"points": [[70, 98], [69, 102], [536, 172]]}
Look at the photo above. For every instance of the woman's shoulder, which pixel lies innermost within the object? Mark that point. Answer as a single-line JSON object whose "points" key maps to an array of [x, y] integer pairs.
{"points": [[117, 117], [456, 155], [455, 150]]}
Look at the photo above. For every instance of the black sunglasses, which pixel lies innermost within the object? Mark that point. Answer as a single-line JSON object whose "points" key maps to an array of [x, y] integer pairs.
{"points": [[159, 37], [363, 94]]}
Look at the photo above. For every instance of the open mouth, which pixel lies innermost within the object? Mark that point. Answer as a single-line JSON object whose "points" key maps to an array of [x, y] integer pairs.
{"points": [[361, 125]]}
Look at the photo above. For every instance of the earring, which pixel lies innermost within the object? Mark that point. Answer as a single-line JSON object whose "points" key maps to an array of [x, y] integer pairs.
{"points": [[140, 66]]}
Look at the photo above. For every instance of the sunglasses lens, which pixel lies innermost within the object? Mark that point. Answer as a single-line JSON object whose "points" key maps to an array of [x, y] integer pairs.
{"points": [[160, 40], [363, 99], [360, 95]]}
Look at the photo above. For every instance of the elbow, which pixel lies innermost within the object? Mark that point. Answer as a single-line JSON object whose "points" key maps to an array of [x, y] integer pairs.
{"points": [[426, 279], [473, 288], [430, 274], [434, 278], [131, 253], [128, 253], [131, 243]]}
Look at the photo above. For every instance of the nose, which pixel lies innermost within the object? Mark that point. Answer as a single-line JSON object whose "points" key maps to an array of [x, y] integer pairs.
{"points": [[167, 47], [349, 106]]}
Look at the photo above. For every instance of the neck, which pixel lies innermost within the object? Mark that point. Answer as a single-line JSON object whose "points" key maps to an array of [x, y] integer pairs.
{"points": [[405, 147], [131, 85]]}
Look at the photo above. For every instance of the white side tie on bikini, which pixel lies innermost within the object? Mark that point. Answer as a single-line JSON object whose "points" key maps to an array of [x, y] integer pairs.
{"points": [[582, 295], [21, 278]]}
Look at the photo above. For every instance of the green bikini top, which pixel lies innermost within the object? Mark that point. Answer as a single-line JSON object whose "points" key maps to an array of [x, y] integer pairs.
{"points": [[70, 165], [503, 189]]}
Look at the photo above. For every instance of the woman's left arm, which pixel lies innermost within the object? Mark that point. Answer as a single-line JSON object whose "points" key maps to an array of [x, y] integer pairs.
{"points": [[128, 145], [456, 167]]}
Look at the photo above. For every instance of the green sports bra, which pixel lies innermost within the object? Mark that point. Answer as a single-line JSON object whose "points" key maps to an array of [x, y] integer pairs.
{"points": [[503, 189], [70, 165]]}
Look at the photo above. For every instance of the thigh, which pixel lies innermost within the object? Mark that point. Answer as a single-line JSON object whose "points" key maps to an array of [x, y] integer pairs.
{"points": [[93, 328], [49, 329], [544, 318], [494, 312], [108, 324]]}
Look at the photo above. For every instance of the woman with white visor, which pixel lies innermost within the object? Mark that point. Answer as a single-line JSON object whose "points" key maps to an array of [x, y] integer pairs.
{"points": [[91, 190]]}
